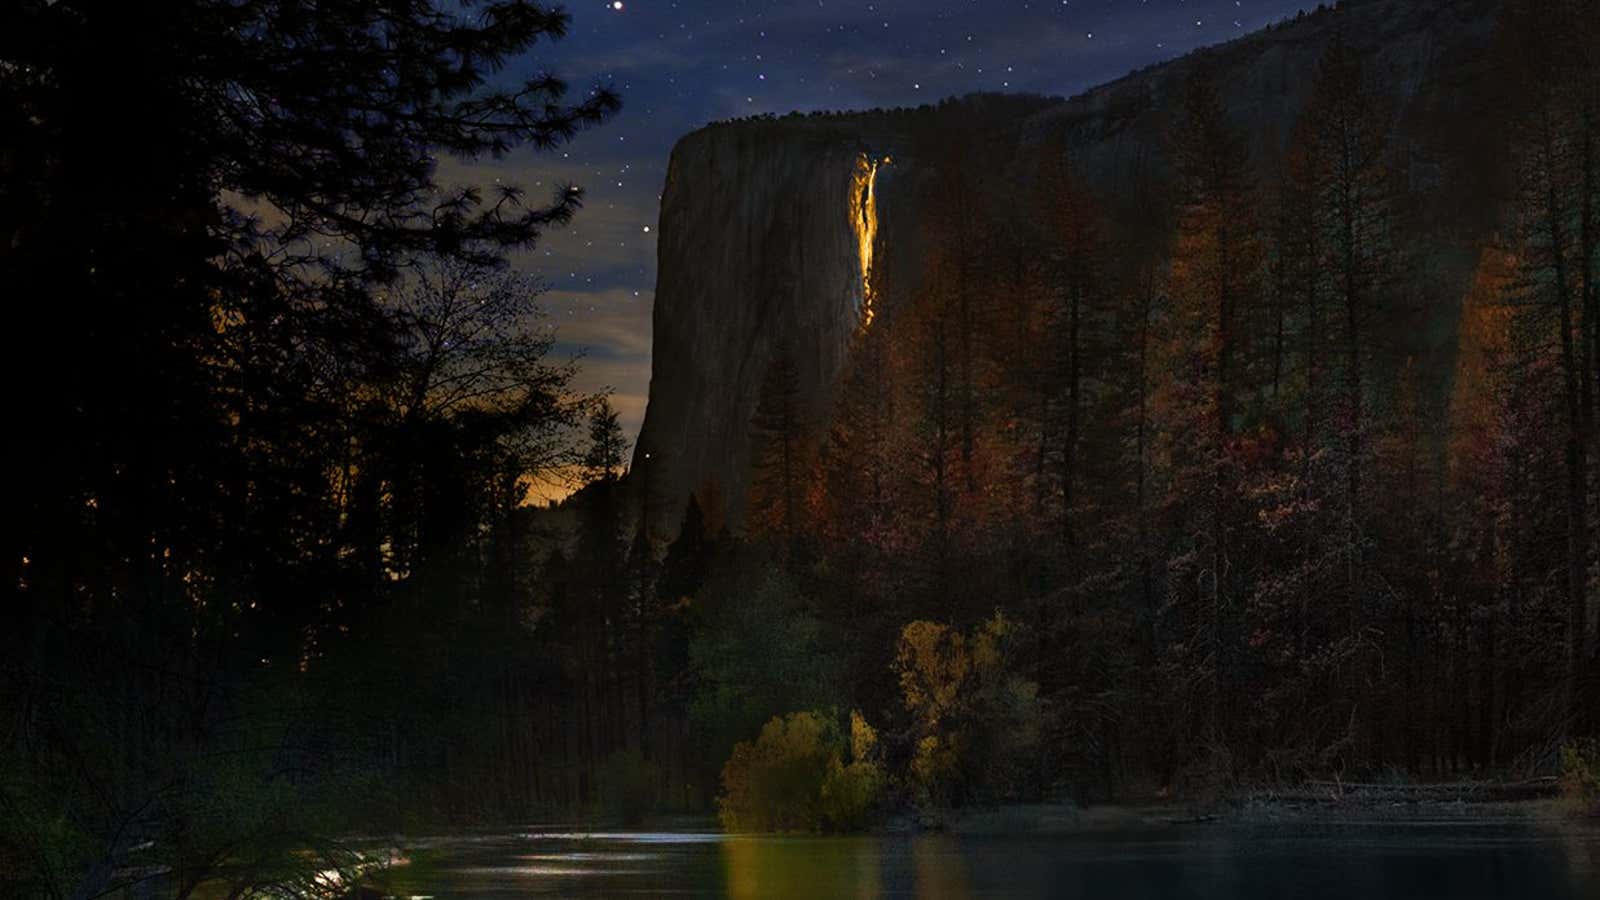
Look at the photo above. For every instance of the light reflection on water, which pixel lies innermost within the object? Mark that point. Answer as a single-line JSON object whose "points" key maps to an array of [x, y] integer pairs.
{"points": [[1475, 861], [629, 837], [586, 857]]}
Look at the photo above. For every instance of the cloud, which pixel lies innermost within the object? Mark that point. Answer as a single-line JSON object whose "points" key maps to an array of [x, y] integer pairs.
{"points": [[615, 320], [611, 330]]}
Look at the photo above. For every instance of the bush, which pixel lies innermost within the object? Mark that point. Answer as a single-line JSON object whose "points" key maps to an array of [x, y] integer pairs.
{"points": [[793, 778], [775, 783], [850, 792], [1208, 777], [1580, 776]]}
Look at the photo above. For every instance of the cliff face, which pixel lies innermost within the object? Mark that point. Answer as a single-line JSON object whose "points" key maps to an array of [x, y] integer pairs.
{"points": [[767, 225], [758, 254]]}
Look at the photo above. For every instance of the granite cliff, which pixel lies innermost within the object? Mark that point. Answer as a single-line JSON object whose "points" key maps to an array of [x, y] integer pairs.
{"points": [[769, 227]]}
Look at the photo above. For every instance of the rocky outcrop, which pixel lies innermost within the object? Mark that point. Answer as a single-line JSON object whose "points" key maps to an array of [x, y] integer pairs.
{"points": [[763, 221], [757, 254]]}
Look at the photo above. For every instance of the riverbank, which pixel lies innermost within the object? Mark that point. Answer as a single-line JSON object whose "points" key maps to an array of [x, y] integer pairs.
{"points": [[1310, 802], [1536, 799]]}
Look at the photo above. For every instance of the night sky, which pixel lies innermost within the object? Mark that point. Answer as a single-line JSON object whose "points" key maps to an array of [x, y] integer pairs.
{"points": [[680, 65]]}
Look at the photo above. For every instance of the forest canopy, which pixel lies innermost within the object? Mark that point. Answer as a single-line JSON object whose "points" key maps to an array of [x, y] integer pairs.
{"points": [[1133, 493]]}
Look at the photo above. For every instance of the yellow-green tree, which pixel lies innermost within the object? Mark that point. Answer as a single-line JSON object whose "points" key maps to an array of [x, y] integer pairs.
{"points": [[794, 777], [976, 722]]}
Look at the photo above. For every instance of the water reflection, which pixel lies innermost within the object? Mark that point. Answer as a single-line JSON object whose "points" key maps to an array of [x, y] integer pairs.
{"points": [[1486, 862], [1581, 849], [762, 867], [940, 869]]}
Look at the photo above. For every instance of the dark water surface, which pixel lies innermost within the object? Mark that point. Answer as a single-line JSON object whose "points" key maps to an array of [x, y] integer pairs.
{"points": [[1455, 860]]}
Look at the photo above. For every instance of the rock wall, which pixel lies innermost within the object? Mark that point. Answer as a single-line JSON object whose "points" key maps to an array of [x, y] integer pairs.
{"points": [[758, 254], [761, 220]]}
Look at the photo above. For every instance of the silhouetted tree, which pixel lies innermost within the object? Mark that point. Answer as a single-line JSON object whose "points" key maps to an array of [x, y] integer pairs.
{"points": [[1214, 271], [225, 437], [607, 447], [779, 454]]}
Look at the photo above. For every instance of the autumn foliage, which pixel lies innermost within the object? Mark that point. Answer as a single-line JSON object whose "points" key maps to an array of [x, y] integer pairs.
{"points": [[1259, 519]]}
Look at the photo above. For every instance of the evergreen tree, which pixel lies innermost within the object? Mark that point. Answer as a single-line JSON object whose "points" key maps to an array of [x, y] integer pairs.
{"points": [[644, 619], [688, 558], [1214, 271], [607, 446], [1347, 135], [1555, 190], [1075, 260], [779, 453], [242, 474]]}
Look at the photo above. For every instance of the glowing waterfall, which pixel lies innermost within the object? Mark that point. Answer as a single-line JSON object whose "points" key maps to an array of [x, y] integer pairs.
{"points": [[864, 221]]}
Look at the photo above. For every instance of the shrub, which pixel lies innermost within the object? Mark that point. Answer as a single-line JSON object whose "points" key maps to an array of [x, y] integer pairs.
{"points": [[1208, 777], [1580, 776], [850, 792], [793, 778]]}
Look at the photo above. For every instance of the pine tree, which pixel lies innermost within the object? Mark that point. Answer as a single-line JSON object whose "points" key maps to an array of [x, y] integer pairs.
{"points": [[1347, 132], [960, 227], [230, 269], [1554, 192], [607, 446], [1075, 263], [643, 624], [1217, 258], [931, 383], [600, 594], [865, 528], [779, 454], [1214, 273]]}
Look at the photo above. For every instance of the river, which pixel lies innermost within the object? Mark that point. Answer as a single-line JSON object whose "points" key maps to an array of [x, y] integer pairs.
{"points": [[1380, 860]]}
